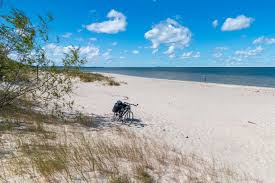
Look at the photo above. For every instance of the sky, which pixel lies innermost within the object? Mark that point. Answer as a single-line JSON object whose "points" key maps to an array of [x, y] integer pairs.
{"points": [[162, 33]]}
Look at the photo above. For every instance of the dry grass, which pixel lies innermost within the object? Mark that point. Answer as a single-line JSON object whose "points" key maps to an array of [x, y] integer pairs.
{"points": [[46, 158], [92, 77], [48, 151], [115, 155], [143, 176], [23, 112]]}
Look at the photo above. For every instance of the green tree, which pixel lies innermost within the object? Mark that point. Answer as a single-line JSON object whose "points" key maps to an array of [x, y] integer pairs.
{"points": [[21, 52]]}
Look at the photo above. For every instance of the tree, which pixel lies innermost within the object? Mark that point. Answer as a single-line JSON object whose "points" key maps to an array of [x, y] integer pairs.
{"points": [[21, 51]]}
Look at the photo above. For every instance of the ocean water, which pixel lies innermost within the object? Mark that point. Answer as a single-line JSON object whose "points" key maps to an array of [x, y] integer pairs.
{"points": [[248, 76]]}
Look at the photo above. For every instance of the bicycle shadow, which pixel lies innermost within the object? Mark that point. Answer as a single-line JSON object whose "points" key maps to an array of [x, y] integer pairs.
{"points": [[106, 121], [100, 121], [135, 122]]}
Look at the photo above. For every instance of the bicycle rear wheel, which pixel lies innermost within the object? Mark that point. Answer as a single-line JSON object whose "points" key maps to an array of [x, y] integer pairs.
{"points": [[128, 117]]}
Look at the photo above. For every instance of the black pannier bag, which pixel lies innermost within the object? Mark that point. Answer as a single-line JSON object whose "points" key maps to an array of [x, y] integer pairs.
{"points": [[117, 107]]}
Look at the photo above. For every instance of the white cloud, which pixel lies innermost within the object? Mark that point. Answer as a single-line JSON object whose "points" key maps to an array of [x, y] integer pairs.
{"points": [[217, 54], [56, 52], [172, 56], [89, 51], [190, 54], [238, 23], [107, 55], [135, 52], [169, 32], [155, 51], [116, 23], [249, 52], [215, 23], [264, 40], [219, 51], [92, 39], [67, 35], [114, 43], [170, 51]]}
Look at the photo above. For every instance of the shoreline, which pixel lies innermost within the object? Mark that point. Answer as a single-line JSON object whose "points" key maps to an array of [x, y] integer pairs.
{"points": [[186, 81]]}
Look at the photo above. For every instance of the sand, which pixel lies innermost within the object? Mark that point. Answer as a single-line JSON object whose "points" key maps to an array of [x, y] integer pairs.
{"points": [[234, 125]]}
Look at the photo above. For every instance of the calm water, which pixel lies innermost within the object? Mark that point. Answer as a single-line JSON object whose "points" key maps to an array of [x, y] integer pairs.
{"points": [[250, 76]]}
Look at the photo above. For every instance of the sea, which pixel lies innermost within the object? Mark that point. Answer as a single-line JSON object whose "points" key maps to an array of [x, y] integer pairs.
{"points": [[247, 76]]}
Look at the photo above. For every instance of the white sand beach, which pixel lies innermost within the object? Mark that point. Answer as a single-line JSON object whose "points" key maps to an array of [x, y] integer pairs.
{"points": [[234, 125]]}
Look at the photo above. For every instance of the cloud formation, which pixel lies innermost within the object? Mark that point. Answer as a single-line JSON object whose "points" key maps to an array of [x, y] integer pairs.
{"points": [[190, 54], [219, 51], [135, 52], [249, 52], [169, 32], [171, 51], [264, 40], [67, 35], [56, 52], [238, 23], [215, 23], [107, 55], [92, 39], [116, 23], [114, 43]]}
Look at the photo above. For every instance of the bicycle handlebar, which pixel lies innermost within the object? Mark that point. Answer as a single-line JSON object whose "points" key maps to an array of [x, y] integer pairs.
{"points": [[131, 104]]}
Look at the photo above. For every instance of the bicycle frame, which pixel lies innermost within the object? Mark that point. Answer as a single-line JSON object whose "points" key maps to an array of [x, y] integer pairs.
{"points": [[126, 114]]}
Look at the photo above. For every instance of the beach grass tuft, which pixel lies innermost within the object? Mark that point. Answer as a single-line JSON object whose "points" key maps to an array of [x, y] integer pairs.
{"points": [[91, 77], [46, 159], [116, 155]]}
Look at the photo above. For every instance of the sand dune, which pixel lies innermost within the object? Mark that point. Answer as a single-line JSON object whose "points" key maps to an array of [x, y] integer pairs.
{"points": [[234, 124]]}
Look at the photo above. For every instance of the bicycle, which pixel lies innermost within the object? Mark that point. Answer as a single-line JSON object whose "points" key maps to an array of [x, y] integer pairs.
{"points": [[124, 112]]}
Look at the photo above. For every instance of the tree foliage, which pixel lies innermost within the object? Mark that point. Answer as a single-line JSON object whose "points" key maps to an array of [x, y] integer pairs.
{"points": [[25, 69]]}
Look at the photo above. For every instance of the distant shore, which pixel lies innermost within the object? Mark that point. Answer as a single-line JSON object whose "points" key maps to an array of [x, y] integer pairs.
{"points": [[194, 82], [244, 76], [232, 123]]}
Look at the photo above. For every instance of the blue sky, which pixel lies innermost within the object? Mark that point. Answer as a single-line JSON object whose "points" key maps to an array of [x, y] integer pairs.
{"points": [[160, 32]]}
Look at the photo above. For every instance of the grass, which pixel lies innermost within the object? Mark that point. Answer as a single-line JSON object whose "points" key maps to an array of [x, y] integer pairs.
{"points": [[119, 179], [116, 156], [18, 117], [92, 77], [49, 151], [143, 176], [6, 126], [22, 112], [45, 158]]}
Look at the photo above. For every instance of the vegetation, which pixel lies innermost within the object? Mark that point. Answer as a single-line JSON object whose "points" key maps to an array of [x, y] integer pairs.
{"points": [[21, 51], [91, 77], [78, 155], [21, 48], [38, 146]]}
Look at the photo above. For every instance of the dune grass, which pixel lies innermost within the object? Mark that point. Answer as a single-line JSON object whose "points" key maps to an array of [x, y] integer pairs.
{"points": [[91, 77], [48, 149], [24, 111], [47, 159], [115, 155]]}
